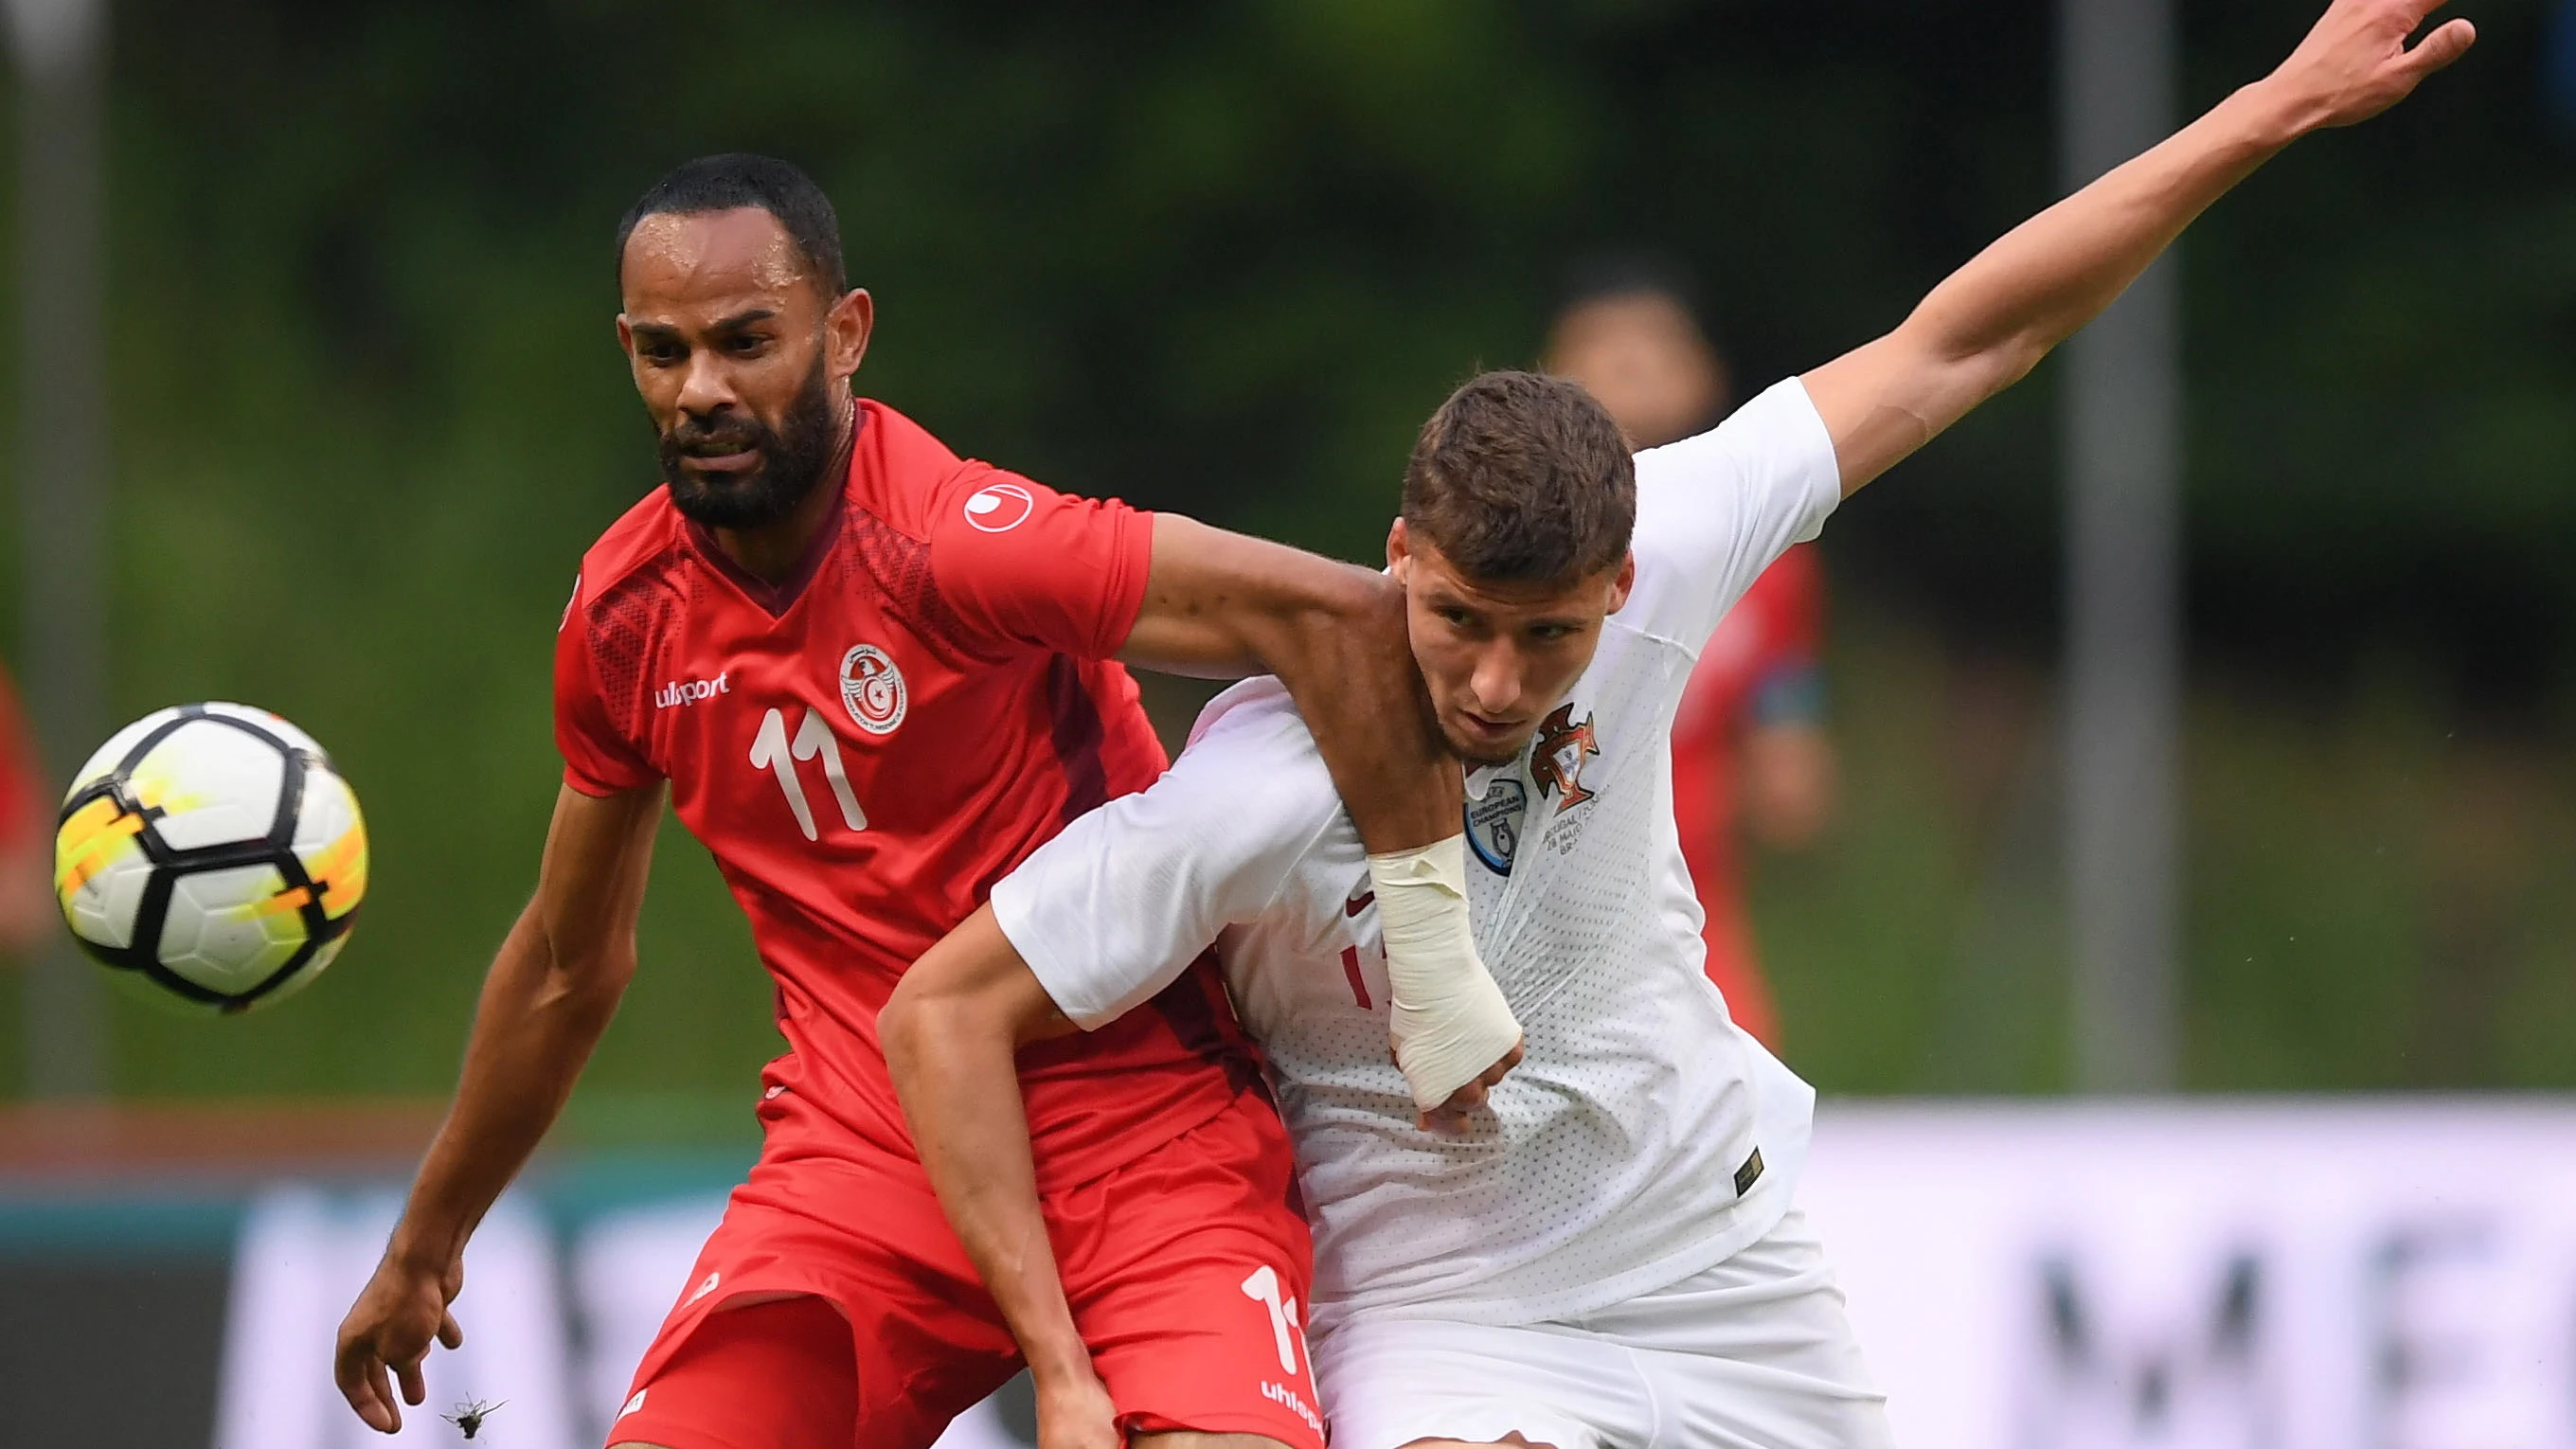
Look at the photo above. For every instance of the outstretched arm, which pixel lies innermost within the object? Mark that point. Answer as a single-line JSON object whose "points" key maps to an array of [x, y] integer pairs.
{"points": [[1991, 322], [951, 1033], [547, 998]]}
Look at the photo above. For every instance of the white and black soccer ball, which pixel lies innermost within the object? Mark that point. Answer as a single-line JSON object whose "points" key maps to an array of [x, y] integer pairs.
{"points": [[212, 850]]}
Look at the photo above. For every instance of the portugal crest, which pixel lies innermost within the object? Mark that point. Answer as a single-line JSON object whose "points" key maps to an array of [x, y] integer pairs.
{"points": [[1556, 760]]}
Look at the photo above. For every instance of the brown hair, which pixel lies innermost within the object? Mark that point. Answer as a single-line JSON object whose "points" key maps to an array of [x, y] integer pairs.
{"points": [[1524, 479]]}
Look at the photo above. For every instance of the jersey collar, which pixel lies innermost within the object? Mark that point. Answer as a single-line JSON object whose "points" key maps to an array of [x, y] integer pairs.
{"points": [[776, 599]]}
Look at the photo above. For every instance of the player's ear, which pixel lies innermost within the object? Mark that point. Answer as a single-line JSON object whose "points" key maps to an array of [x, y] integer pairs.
{"points": [[847, 328], [1626, 581], [1399, 552], [625, 336]]}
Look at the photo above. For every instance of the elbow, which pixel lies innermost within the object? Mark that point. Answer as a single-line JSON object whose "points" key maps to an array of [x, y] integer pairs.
{"points": [[909, 1026], [900, 1029], [2015, 360], [583, 969], [592, 983], [1358, 613], [1362, 598]]}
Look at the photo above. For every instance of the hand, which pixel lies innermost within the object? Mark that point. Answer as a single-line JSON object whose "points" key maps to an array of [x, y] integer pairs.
{"points": [[1075, 1412], [2355, 62], [1451, 1116], [402, 1308]]}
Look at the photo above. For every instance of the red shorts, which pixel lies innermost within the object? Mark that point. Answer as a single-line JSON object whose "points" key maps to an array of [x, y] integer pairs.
{"points": [[1187, 1270]]}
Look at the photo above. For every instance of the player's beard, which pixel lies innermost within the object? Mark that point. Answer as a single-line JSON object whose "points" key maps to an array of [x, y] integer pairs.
{"points": [[794, 456]]}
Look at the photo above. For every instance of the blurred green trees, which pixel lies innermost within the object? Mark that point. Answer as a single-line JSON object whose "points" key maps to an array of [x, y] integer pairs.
{"points": [[1223, 258]]}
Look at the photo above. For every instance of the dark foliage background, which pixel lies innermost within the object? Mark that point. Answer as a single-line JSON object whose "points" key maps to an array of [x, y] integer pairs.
{"points": [[1223, 259]]}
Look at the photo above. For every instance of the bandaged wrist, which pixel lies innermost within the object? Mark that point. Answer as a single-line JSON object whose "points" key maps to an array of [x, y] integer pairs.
{"points": [[1450, 1019]]}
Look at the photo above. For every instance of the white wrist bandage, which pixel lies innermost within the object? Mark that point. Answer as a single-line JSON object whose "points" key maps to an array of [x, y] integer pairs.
{"points": [[1451, 1021]]}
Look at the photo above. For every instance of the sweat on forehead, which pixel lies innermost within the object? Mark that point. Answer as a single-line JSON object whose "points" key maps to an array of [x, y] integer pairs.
{"points": [[742, 250]]}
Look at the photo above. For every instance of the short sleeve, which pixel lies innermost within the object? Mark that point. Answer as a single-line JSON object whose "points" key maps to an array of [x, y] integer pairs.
{"points": [[1114, 908], [598, 761], [1713, 511], [1025, 567]]}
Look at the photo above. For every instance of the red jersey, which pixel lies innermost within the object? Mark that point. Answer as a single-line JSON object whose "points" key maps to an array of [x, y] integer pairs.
{"points": [[1766, 641], [866, 747], [23, 807]]}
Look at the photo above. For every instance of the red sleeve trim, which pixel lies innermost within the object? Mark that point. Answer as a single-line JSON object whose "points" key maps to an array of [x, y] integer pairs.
{"points": [[1131, 568]]}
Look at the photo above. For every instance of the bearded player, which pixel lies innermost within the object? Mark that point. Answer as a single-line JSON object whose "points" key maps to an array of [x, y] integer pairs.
{"points": [[871, 677], [1609, 1254]]}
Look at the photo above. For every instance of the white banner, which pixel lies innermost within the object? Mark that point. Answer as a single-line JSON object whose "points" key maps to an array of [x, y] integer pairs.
{"points": [[2077, 1276], [2221, 1276]]}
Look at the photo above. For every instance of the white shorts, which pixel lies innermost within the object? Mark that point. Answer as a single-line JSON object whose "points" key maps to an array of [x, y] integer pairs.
{"points": [[1755, 1353]]}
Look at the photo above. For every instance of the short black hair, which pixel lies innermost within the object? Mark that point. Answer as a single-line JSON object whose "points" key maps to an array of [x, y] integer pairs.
{"points": [[736, 179], [1636, 272], [1522, 478]]}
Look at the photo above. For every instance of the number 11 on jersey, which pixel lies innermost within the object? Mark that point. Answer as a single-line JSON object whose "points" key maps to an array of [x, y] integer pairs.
{"points": [[771, 750]]}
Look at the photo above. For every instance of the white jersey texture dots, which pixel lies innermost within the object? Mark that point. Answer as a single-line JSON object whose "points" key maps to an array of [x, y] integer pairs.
{"points": [[1621, 1155]]}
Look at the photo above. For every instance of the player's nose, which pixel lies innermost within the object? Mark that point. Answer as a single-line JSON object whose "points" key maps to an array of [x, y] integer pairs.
{"points": [[706, 387], [1496, 680]]}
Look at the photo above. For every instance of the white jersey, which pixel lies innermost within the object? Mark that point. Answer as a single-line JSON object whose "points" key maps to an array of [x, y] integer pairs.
{"points": [[1643, 1138]]}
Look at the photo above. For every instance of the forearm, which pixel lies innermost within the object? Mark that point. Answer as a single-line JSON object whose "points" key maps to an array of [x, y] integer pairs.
{"points": [[534, 1029], [1219, 603], [1346, 662], [959, 1082], [2040, 282]]}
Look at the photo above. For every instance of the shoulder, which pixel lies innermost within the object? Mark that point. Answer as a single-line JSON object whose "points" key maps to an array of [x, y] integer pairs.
{"points": [[641, 555], [1251, 745], [1714, 510], [1777, 433], [1254, 719], [642, 536], [906, 477]]}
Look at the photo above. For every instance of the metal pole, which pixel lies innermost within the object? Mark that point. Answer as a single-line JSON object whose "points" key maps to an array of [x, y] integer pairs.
{"points": [[60, 48], [2122, 399]]}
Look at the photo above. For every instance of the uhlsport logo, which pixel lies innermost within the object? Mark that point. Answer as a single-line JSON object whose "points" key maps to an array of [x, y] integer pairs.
{"points": [[872, 689], [1000, 507], [1557, 763], [690, 691]]}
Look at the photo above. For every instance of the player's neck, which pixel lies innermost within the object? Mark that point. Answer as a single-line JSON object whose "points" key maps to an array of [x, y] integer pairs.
{"points": [[772, 552]]}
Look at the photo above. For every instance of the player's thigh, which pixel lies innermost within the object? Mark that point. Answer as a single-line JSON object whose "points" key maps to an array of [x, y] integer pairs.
{"points": [[1393, 1383], [726, 1386], [1192, 1439], [1758, 1349], [855, 1256], [1187, 1271]]}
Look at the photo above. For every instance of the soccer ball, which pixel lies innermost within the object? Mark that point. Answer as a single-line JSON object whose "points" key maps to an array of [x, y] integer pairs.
{"points": [[212, 851]]}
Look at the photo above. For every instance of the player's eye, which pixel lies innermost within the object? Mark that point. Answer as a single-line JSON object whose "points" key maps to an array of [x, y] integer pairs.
{"points": [[747, 344], [661, 354]]}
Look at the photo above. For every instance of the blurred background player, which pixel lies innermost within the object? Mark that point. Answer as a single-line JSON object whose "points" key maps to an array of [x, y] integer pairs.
{"points": [[26, 906], [1750, 750]]}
